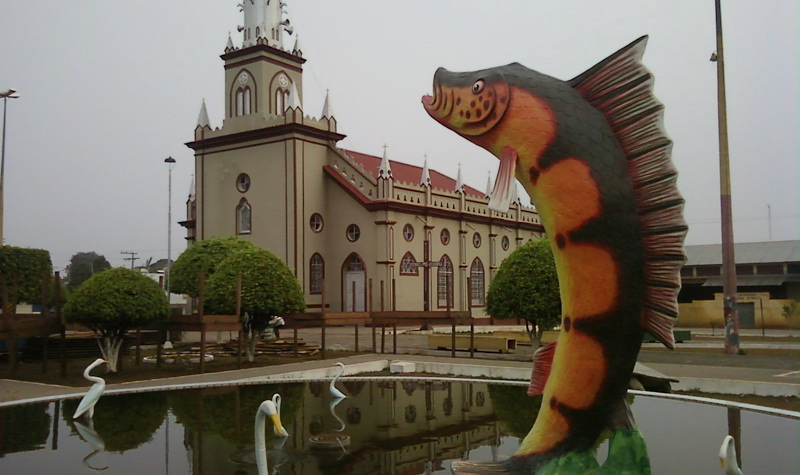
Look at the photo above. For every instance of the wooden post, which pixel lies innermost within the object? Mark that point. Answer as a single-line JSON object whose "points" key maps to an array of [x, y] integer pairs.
{"points": [[382, 294], [353, 308], [394, 338], [45, 314], [383, 338], [138, 346], [394, 294], [322, 350], [471, 321], [239, 316], [162, 335], [200, 309], [356, 328], [294, 330], [449, 289], [202, 347], [322, 329], [372, 323], [45, 345], [453, 337]]}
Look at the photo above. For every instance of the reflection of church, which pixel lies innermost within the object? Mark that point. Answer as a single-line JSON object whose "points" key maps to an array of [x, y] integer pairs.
{"points": [[357, 223], [394, 427]]}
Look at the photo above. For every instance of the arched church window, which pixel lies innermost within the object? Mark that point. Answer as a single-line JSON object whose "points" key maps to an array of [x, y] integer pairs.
{"points": [[408, 266], [317, 272], [279, 102], [477, 284], [239, 102], [247, 101], [243, 217], [444, 281]]}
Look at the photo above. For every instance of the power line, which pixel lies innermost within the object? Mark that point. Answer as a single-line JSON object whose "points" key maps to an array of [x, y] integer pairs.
{"points": [[132, 257]]}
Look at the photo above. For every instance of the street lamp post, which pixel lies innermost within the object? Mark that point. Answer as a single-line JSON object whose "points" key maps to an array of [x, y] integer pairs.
{"points": [[9, 94], [170, 163]]}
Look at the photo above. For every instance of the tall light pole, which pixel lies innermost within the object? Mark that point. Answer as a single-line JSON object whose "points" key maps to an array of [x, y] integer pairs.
{"points": [[170, 163], [730, 312], [9, 94]]}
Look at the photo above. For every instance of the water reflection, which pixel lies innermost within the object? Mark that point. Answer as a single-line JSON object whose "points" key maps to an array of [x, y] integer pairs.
{"points": [[393, 427]]}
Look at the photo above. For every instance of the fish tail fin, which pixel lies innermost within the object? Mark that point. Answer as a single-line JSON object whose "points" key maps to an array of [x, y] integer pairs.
{"points": [[621, 88], [542, 363]]}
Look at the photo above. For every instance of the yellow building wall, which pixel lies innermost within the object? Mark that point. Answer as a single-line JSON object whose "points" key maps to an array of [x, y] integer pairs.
{"points": [[708, 313]]}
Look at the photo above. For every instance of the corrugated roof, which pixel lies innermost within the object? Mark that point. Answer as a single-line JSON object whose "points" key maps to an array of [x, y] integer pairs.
{"points": [[406, 173], [745, 253]]}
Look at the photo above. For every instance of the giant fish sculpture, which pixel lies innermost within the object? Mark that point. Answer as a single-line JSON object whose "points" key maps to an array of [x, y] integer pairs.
{"points": [[595, 160]]}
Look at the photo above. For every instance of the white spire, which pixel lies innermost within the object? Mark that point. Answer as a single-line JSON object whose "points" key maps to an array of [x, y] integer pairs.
{"points": [[385, 170], [297, 50], [294, 98], [459, 181], [488, 184], [327, 107], [515, 195], [264, 19], [202, 118], [230, 42], [192, 190], [426, 175]]}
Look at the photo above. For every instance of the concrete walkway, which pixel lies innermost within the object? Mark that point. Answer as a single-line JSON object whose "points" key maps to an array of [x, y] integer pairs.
{"points": [[717, 373]]}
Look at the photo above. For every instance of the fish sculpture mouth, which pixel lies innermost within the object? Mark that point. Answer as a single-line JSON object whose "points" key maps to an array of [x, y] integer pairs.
{"points": [[467, 103], [439, 104]]}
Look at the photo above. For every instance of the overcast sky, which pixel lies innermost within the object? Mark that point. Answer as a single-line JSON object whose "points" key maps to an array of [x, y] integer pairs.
{"points": [[111, 88]]}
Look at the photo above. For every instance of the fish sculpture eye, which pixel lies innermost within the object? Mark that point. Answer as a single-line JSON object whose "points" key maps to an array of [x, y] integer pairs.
{"points": [[478, 86]]}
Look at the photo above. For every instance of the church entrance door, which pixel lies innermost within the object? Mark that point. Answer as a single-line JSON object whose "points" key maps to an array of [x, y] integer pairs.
{"points": [[354, 278]]}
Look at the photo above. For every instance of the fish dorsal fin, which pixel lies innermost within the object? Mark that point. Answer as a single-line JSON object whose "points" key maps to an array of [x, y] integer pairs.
{"points": [[542, 363], [621, 87]]}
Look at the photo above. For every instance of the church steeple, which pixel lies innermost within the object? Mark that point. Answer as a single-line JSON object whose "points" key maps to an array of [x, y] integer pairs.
{"points": [[327, 107], [385, 169], [202, 117], [425, 180], [264, 23], [459, 181]]}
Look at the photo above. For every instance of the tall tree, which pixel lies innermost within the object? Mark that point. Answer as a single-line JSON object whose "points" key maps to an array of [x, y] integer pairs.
{"points": [[202, 258], [113, 302], [526, 286], [24, 273], [268, 289], [83, 265]]}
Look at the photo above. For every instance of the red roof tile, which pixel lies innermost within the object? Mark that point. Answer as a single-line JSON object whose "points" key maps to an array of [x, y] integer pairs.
{"points": [[412, 174]]}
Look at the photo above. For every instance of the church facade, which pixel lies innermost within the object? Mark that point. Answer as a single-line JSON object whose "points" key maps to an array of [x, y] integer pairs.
{"points": [[360, 232]]}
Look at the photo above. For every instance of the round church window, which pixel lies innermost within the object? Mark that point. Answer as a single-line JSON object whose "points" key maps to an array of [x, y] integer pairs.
{"points": [[353, 233], [243, 182], [316, 222]]}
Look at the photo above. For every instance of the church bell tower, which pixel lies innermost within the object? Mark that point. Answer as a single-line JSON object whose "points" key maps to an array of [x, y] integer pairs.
{"points": [[259, 175]]}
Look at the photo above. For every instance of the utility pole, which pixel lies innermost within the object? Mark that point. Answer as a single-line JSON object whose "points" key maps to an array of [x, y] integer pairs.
{"points": [[170, 163], [132, 257], [730, 312]]}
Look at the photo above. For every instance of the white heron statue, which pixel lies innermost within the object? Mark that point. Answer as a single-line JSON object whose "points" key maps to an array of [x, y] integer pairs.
{"points": [[271, 408], [93, 394], [727, 456], [335, 393]]}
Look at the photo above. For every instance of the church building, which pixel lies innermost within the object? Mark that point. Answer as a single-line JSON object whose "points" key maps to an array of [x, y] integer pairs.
{"points": [[365, 232]]}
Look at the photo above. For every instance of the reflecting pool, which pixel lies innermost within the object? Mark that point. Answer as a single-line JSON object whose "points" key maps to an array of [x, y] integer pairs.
{"points": [[384, 426]]}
